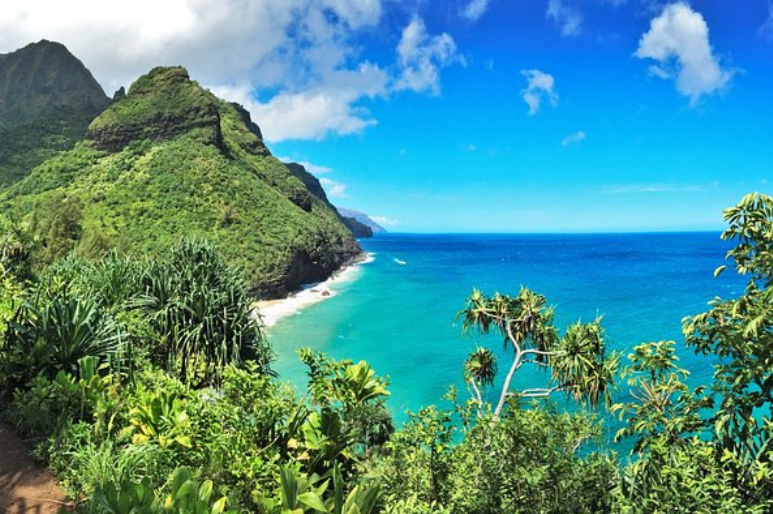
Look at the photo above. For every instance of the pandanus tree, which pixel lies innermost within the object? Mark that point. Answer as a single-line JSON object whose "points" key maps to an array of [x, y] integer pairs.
{"points": [[198, 307], [578, 363]]}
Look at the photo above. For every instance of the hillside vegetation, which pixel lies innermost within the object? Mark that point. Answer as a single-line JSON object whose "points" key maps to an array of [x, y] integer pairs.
{"points": [[171, 160], [47, 99]]}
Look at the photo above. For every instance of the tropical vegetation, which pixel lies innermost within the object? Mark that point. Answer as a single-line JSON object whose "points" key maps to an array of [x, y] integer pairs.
{"points": [[146, 384]]}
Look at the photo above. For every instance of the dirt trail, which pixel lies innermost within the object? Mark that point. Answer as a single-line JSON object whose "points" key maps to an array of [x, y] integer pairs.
{"points": [[25, 486]]}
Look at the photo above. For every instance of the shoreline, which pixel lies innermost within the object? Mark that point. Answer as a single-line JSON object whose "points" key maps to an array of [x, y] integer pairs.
{"points": [[269, 312]]}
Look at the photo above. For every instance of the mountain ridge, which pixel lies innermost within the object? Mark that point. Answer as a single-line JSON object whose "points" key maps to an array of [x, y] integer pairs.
{"points": [[170, 159], [47, 99]]}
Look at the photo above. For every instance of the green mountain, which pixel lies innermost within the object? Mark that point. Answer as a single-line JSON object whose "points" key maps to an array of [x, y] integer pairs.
{"points": [[47, 99], [311, 182], [169, 160]]}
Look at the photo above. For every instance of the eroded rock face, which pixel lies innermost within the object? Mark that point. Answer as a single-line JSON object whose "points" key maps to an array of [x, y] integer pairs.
{"points": [[306, 268]]}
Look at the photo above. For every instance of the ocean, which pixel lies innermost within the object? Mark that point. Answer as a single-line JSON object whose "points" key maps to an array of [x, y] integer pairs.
{"points": [[398, 311]]}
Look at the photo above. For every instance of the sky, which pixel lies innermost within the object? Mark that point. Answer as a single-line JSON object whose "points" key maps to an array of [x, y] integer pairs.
{"points": [[470, 115]]}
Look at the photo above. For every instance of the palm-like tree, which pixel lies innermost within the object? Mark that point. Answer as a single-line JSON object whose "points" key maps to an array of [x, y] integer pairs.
{"points": [[199, 309], [480, 369], [577, 362]]}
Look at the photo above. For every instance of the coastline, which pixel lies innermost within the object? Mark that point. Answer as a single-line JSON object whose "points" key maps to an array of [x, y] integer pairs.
{"points": [[269, 312]]}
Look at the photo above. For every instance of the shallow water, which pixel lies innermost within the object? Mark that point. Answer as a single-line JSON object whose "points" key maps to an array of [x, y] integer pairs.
{"points": [[399, 312]]}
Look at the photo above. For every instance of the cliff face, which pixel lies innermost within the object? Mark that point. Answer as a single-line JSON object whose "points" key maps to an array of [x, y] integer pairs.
{"points": [[169, 159], [47, 99], [311, 182]]}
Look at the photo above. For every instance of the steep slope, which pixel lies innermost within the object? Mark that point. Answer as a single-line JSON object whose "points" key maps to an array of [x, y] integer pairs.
{"points": [[47, 99], [170, 159], [363, 218], [312, 183]]}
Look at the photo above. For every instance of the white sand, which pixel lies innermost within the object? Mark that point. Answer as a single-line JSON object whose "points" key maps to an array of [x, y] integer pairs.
{"points": [[271, 311]]}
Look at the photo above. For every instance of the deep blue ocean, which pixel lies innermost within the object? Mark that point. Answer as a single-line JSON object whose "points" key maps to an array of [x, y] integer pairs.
{"points": [[398, 312]]}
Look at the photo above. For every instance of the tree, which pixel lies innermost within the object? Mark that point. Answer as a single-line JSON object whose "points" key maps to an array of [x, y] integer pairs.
{"points": [[59, 227], [578, 362], [198, 307], [740, 333], [710, 449]]}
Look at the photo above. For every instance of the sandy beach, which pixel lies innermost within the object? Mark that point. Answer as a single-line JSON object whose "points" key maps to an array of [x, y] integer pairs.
{"points": [[271, 311]]}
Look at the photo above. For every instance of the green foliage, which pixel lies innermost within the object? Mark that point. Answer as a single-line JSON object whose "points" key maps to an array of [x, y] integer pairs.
{"points": [[179, 163], [352, 413], [52, 332], [688, 460], [58, 227], [529, 461], [665, 409], [578, 362], [685, 477], [300, 493], [740, 332], [199, 311], [161, 419], [185, 496]]}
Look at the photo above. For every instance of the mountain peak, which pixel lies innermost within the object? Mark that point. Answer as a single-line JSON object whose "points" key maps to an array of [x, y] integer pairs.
{"points": [[47, 99], [163, 104], [43, 79]]}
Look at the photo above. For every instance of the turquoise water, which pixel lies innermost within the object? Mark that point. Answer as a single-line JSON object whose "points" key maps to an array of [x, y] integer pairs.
{"points": [[400, 317]]}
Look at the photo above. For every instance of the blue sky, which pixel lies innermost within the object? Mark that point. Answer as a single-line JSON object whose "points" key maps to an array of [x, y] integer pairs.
{"points": [[492, 116]]}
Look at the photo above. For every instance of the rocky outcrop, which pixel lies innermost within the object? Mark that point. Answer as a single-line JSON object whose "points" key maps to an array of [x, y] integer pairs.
{"points": [[357, 228], [306, 268], [161, 105]]}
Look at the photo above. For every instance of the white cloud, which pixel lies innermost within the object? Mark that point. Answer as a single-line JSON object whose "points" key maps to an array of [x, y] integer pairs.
{"points": [[539, 86], [568, 19], [385, 221], [475, 9], [318, 111], [678, 40], [300, 58], [421, 56], [573, 139], [334, 189], [766, 29]]}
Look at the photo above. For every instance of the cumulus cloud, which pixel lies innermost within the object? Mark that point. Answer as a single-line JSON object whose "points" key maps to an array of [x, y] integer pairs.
{"points": [[295, 64], [540, 86], [678, 40], [475, 9], [421, 56], [334, 189], [568, 19], [573, 139], [329, 107]]}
